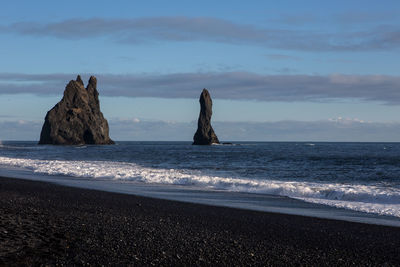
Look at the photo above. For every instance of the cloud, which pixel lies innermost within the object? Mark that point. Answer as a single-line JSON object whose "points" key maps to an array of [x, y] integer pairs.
{"points": [[136, 129], [223, 85], [345, 130], [20, 130], [208, 29], [346, 121]]}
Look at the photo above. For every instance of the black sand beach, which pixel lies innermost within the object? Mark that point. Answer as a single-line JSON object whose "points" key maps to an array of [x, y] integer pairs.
{"points": [[47, 224]]}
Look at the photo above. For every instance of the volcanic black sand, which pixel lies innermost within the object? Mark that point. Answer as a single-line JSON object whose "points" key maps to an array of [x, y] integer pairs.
{"points": [[47, 224]]}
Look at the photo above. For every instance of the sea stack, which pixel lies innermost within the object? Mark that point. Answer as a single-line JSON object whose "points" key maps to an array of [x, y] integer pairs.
{"points": [[205, 133], [76, 119]]}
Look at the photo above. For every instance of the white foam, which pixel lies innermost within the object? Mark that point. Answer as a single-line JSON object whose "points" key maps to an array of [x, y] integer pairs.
{"points": [[377, 199]]}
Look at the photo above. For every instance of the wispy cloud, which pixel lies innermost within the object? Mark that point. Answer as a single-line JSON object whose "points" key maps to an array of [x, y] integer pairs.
{"points": [[136, 129], [345, 130], [20, 130], [139, 130], [223, 85], [208, 29]]}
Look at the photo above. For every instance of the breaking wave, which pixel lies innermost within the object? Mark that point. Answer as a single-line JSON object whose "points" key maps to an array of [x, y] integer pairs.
{"points": [[369, 198]]}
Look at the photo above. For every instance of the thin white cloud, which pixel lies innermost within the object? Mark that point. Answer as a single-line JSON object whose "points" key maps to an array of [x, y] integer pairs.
{"points": [[20, 130], [346, 130]]}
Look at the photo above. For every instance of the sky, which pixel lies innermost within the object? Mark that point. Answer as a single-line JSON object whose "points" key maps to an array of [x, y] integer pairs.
{"points": [[276, 70]]}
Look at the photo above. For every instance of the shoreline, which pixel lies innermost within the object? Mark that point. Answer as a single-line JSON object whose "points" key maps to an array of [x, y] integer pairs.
{"points": [[220, 198], [53, 224]]}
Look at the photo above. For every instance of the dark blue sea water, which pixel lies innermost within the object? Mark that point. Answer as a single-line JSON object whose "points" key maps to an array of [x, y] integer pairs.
{"points": [[354, 176]]}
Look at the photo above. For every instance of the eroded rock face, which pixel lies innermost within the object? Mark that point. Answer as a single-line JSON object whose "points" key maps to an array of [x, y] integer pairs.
{"points": [[205, 133], [76, 119]]}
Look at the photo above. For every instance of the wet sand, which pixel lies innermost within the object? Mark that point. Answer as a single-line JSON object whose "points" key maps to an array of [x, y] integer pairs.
{"points": [[44, 223]]}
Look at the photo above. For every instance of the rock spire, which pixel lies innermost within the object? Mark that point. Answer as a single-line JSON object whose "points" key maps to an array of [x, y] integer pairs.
{"points": [[76, 119], [205, 133]]}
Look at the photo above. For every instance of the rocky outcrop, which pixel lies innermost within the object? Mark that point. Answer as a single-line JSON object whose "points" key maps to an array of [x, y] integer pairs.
{"points": [[205, 133], [76, 119]]}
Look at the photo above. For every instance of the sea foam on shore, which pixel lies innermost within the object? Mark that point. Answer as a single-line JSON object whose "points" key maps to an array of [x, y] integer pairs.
{"points": [[366, 198]]}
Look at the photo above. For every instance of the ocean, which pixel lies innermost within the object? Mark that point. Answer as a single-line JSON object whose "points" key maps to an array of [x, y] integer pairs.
{"points": [[349, 181]]}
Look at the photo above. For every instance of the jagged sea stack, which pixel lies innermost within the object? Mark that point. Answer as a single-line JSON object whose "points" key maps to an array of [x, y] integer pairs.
{"points": [[76, 119], [205, 133]]}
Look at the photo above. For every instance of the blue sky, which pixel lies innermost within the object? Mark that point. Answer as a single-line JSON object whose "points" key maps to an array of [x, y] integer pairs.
{"points": [[326, 70]]}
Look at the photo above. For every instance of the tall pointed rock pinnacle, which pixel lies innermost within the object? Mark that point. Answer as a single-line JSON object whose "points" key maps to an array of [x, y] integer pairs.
{"points": [[205, 133], [76, 119], [79, 80]]}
